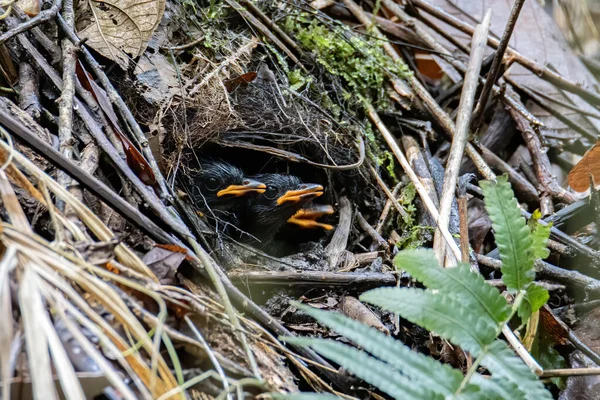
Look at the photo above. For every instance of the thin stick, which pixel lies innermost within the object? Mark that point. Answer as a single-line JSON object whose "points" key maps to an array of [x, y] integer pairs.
{"points": [[38, 19], [389, 194], [460, 137], [413, 177], [494, 73], [539, 70], [65, 107], [552, 373], [121, 107]]}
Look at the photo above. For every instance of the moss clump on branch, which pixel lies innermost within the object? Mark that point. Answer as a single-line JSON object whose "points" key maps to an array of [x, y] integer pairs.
{"points": [[360, 61]]}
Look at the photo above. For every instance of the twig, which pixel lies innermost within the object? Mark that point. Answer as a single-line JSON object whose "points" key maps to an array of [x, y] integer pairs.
{"points": [[284, 36], [243, 49], [149, 196], [553, 373], [65, 105], [339, 241], [389, 194], [386, 209], [88, 181], [463, 219], [120, 105], [29, 95], [378, 241], [38, 19], [522, 186], [542, 72], [350, 280], [540, 160], [455, 62], [521, 350], [390, 140], [551, 272], [251, 19], [460, 137], [494, 73]]}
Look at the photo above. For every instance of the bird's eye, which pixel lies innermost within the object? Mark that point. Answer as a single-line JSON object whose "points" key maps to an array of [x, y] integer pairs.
{"points": [[272, 192], [211, 183]]}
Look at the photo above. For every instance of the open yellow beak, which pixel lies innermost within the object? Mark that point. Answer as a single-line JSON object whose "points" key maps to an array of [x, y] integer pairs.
{"points": [[248, 186], [306, 217], [307, 191]]}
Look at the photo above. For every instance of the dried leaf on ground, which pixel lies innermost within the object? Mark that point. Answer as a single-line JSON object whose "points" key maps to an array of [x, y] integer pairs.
{"points": [[163, 263], [579, 177], [122, 28]]}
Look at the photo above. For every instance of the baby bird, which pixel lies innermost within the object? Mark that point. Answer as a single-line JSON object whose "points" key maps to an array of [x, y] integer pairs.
{"points": [[269, 212], [221, 191]]}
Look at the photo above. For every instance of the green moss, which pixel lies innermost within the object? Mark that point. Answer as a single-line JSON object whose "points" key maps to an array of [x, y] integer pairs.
{"points": [[360, 61], [411, 234]]}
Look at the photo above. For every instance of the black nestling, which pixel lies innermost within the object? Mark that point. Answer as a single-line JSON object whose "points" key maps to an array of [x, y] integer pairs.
{"points": [[269, 212], [221, 191]]}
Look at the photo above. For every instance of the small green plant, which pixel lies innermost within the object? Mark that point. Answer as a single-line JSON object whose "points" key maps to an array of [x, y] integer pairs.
{"points": [[460, 307], [360, 61]]}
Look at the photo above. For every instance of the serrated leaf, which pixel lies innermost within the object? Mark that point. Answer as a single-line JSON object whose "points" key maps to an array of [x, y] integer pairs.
{"points": [[503, 364], [540, 235], [419, 367], [371, 370], [513, 238], [469, 288], [495, 388], [535, 297], [437, 312]]}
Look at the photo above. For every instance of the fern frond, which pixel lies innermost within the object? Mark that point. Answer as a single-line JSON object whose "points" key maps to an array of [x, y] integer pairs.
{"points": [[469, 288], [446, 380], [439, 313], [371, 370], [502, 363], [540, 235], [495, 388], [535, 297], [511, 233]]}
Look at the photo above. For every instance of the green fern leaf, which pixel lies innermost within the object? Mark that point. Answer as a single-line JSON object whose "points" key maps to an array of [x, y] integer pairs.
{"points": [[469, 288], [540, 235], [371, 370], [498, 389], [503, 364], [445, 380], [512, 235], [439, 313], [535, 297]]}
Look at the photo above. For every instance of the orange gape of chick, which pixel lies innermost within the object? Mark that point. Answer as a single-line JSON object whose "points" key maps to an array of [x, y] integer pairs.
{"points": [[283, 202]]}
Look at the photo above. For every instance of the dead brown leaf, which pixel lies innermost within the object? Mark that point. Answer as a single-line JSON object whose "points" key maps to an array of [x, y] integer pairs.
{"points": [[579, 177], [122, 28], [164, 263]]}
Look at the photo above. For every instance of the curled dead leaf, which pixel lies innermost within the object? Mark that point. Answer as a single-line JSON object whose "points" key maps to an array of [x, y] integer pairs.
{"points": [[244, 79], [589, 165]]}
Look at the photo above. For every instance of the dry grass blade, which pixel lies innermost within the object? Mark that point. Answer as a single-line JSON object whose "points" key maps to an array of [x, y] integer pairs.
{"points": [[125, 255], [32, 310], [63, 367], [8, 262], [12, 206]]}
